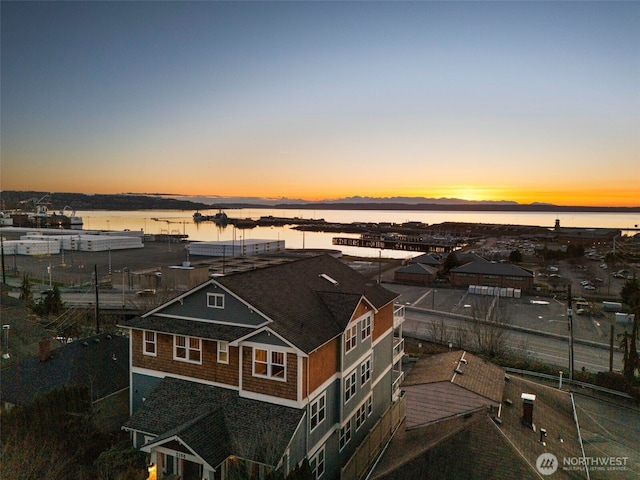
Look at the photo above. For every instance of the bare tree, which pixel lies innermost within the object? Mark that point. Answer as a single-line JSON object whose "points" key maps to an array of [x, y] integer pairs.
{"points": [[439, 332], [489, 328]]}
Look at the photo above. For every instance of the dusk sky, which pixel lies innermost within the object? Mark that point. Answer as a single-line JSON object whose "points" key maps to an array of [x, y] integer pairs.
{"points": [[521, 101]]}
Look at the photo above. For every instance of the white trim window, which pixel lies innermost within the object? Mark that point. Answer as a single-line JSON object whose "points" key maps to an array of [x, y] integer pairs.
{"points": [[223, 351], [318, 411], [215, 300], [369, 404], [365, 371], [345, 434], [365, 328], [350, 383], [149, 343], [350, 338], [361, 415], [270, 364], [187, 349], [317, 464]]}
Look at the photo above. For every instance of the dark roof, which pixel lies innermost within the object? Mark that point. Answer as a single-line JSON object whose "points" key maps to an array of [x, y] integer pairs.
{"points": [[180, 326], [307, 308], [418, 269], [435, 391], [488, 268], [101, 362], [433, 259], [198, 413], [475, 447], [474, 450]]}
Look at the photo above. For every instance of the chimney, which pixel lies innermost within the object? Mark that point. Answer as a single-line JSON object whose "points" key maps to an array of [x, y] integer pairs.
{"points": [[527, 409], [44, 350]]}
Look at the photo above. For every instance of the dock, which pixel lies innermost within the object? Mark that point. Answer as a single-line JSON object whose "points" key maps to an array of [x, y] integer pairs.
{"points": [[426, 244]]}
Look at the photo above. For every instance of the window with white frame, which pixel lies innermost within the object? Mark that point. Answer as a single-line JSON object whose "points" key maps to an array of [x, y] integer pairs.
{"points": [[269, 363], [361, 415], [350, 338], [215, 300], [369, 404], [318, 411], [317, 464], [223, 352], [149, 343], [365, 371], [350, 384], [345, 434], [365, 328], [187, 349]]}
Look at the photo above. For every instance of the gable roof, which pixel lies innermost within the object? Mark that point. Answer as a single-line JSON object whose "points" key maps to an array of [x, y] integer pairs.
{"points": [[489, 268], [418, 269], [197, 413], [307, 308], [101, 361], [433, 259], [474, 446], [442, 386]]}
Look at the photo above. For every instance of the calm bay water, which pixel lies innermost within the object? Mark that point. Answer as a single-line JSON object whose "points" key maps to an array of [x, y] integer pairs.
{"points": [[181, 222]]}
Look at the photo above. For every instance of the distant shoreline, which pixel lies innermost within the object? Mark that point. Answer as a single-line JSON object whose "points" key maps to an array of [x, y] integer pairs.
{"points": [[130, 202]]}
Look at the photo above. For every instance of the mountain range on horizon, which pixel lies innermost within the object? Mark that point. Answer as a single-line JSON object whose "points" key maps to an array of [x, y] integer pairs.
{"points": [[152, 201], [357, 199]]}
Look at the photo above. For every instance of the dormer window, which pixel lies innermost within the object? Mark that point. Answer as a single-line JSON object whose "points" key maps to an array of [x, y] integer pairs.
{"points": [[215, 300]]}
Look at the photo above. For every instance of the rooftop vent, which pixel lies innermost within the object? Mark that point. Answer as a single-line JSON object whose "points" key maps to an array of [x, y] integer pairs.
{"points": [[458, 371], [328, 278], [463, 360]]}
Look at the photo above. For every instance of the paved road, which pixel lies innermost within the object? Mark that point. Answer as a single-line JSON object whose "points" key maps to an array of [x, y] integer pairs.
{"points": [[538, 346]]}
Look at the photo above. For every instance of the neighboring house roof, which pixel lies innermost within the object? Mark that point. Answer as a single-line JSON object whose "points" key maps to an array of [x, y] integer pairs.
{"points": [[488, 268], [474, 446], [418, 269], [100, 362], [308, 309], [195, 413], [433, 259], [442, 386]]}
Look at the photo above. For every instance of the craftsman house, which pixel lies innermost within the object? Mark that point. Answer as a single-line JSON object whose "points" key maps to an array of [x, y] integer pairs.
{"points": [[260, 370]]}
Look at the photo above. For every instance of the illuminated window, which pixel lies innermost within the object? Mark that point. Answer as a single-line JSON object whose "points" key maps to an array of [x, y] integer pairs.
{"points": [[223, 352], [318, 411], [350, 338], [269, 363], [187, 349], [149, 343]]}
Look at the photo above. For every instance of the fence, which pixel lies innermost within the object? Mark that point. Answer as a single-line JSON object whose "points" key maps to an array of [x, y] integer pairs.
{"points": [[364, 456]]}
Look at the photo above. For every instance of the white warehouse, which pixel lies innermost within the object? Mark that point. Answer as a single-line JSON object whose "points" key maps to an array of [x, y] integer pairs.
{"points": [[235, 248]]}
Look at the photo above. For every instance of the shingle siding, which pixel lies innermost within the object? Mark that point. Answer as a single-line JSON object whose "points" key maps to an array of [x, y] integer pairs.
{"points": [[210, 370], [266, 386]]}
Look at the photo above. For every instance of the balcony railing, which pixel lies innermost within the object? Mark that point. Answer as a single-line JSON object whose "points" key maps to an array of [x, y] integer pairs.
{"points": [[398, 376], [398, 349], [398, 316]]}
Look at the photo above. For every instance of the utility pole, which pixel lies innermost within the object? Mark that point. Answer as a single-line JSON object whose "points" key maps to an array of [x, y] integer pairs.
{"points": [[570, 320], [95, 274]]}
